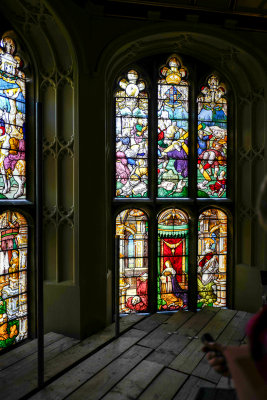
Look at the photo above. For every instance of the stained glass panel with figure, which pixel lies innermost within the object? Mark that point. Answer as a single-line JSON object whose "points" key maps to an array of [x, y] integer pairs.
{"points": [[172, 260], [173, 130], [131, 137], [132, 228], [212, 258], [212, 140], [13, 278], [12, 123]]}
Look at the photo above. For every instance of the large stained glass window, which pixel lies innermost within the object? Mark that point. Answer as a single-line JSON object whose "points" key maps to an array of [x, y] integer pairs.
{"points": [[172, 260], [12, 123], [173, 130], [212, 139], [188, 170], [131, 137], [13, 278], [132, 228], [212, 258]]}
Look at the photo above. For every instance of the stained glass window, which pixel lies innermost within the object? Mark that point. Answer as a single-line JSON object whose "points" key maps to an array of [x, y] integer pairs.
{"points": [[131, 137], [212, 139], [172, 260], [13, 278], [132, 228], [12, 123], [187, 170], [173, 130], [212, 258]]}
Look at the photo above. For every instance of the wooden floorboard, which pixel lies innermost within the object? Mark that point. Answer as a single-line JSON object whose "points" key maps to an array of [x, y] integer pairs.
{"points": [[191, 387], [233, 334], [135, 382], [25, 350], [80, 374], [157, 357], [192, 354], [165, 386]]}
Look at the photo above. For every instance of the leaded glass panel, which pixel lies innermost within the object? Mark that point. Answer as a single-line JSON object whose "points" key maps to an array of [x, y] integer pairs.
{"points": [[173, 130], [212, 140], [172, 260], [132, 228], [212, 258], [131, 137], [13, 278], [12, 123]]}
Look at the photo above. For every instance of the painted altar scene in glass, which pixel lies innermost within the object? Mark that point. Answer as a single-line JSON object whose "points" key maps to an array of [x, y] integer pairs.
{"points": [[212, 258], [132, 228], [12, 123], [131, 137], [13, 278], [173, 92], [172, 265], [212, 140]]}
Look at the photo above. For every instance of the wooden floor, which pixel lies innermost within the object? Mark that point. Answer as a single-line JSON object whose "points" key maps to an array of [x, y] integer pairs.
{"points": [[158, 357]]}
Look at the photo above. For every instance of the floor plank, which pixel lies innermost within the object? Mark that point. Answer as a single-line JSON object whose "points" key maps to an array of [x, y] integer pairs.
{"points": [[191, 387], [135, 382], [233, 334], [25, 350], [102, 382], [176, 342], [162, 332], [152, 322], [73, 379], [165, 386], [192, 354]]}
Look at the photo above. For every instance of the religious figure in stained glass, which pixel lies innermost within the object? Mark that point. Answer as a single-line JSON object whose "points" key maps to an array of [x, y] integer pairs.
{"points": [[172, 260], [12, 123], [212, 258], [173, 130], [13, 278], [131, 137], [212, 140], [132, 227]]}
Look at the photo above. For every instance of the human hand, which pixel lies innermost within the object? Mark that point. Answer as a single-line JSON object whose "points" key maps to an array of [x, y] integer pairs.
{"points": [[216, 357]]}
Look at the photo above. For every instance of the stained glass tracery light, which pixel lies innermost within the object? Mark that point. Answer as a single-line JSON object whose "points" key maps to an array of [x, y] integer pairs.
{"points": [[212, 258], [131, 137], [212, 140], [173, 90], [132, 228], [172, 260], [12, 123], [13, 278]]}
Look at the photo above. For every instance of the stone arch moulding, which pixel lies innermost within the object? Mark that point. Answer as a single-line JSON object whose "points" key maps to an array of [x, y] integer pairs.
{"points": [[54, 82], [243, 66]]}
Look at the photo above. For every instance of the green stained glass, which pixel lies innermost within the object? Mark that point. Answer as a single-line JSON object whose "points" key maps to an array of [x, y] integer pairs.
{"points": [[131, 227], [212, 258], [212, 140], [172, 265], [13, 278], [173, 130]]}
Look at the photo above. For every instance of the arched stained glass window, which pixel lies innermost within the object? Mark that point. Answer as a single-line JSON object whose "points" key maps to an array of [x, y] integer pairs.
{"points": [[13, 278], [173, 130], [12, 123], [132, 228], [131, 137], [188, 169], [212, 258], [172, 260], [212, 139]]}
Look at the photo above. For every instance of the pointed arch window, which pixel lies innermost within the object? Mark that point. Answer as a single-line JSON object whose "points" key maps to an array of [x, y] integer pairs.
{"points": [[175, 149]]}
